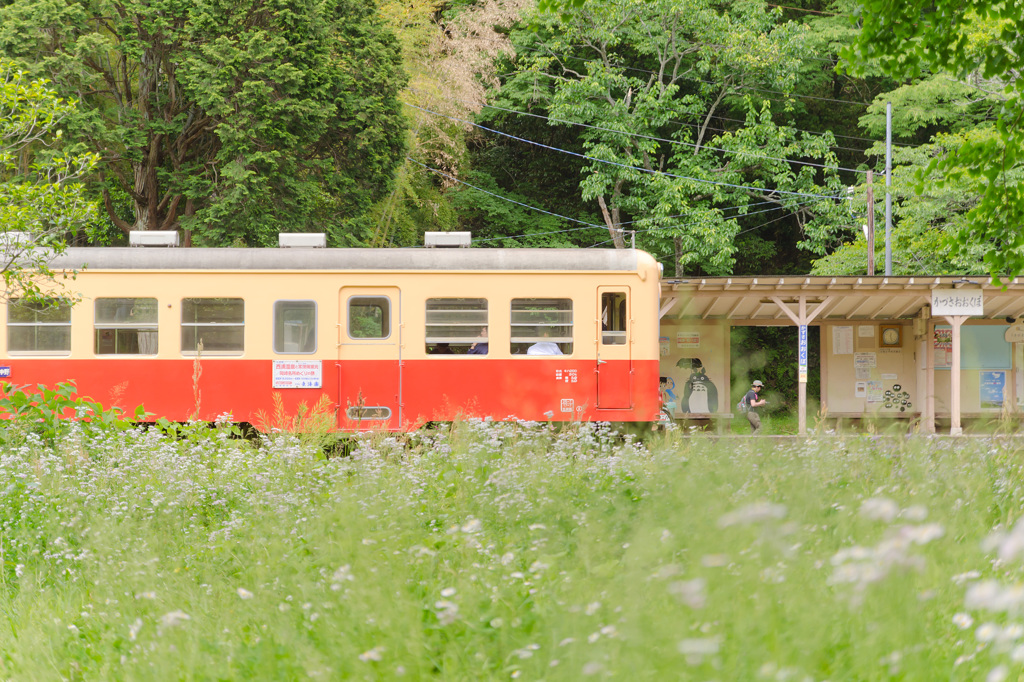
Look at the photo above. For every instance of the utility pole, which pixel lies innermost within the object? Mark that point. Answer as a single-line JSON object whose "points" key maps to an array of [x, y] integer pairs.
{"points": [[871, 224], [888, 183]]}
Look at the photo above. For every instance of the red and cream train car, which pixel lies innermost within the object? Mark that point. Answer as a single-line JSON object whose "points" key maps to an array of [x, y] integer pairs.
{"points": [[394, 337]]}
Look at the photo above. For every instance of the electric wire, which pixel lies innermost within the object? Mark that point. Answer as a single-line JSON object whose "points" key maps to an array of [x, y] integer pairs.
{"points": [[592, 226], [626, 166], [668, 141]]}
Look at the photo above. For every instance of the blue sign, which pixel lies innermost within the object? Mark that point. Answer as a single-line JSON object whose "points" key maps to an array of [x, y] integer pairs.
{"points": [[993, 389], [802, 354], [5, 372]]}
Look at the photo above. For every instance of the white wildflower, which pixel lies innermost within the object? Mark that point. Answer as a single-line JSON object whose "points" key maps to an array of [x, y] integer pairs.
{"points": [[693, 593], [986, 632], [174, 618], [447, 612], [244, 593], [695, 649], [963, 620], [757, 512], [879, 509], [374, 654], [448, 592], [998, 674]]}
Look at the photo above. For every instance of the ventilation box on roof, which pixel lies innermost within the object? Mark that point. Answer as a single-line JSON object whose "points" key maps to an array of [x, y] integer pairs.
{"points": [[447, 240], [153, 238], [310, 240]]}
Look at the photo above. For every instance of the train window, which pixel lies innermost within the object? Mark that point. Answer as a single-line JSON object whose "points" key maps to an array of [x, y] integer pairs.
{"points": [[613, 318], [217, 323], [295, 326], [369, 317], [456, 326], [125, 326], [541, 326], [39, 327]]}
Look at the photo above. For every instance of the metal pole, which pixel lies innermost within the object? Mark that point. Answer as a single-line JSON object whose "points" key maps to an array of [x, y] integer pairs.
{"points": [[871, 224], [888, 194]]}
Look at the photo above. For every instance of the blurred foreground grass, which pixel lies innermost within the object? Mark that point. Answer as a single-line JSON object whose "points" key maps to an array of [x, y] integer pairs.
{"points": [[502, 551]]}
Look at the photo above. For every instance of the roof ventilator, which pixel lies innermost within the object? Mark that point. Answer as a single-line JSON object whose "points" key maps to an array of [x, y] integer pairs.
{"points": [[166, 238], [305, 240], [447, 240]]}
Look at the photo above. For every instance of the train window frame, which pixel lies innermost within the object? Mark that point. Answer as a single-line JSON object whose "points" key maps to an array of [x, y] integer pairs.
{"points": [[122, 330], [544, 316], [614, 318], [385, 316], [192, 349], [13, 326], [308, 342], [450, 316]]}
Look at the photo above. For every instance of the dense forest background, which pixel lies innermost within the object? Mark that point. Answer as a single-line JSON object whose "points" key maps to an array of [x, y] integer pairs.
{"points": [[728, 137]]}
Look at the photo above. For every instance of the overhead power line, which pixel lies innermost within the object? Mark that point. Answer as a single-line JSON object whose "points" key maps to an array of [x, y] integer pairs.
{"points": [[626, 166], [603, 228], [668, 141]]}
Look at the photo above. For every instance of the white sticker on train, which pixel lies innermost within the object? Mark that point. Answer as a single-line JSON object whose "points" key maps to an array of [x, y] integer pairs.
{"points": [[298, 374]]}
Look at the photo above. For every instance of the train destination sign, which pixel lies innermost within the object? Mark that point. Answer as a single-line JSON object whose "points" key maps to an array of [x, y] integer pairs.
{"points": [[298, 374], [958, 302]]}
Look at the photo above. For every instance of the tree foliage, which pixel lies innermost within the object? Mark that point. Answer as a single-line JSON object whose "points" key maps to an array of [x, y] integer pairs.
{"points": [[977, 43], [641, 83], [231, 120], [41, 200]]}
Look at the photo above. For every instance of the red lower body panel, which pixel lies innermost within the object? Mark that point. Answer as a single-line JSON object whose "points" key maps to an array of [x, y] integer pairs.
{"points": [[369, 394]]}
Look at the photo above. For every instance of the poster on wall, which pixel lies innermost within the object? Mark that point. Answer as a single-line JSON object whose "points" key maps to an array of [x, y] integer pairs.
{"points": [[663, 345], [842, 340], [992, 388], [865, 360], [875, 391], [943, 347], [688, 340]]}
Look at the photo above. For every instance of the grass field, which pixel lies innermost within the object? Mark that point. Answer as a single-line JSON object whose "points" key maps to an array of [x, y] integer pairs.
{"points": [[504, 551]]}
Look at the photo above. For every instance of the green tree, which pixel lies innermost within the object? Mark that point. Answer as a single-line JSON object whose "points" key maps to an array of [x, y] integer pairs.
{"points": [[41, 200], [979, 44], [644, 81], [230, 120]]}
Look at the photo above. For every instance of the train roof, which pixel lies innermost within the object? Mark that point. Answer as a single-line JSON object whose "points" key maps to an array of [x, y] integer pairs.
{"points": [[411, 259]]}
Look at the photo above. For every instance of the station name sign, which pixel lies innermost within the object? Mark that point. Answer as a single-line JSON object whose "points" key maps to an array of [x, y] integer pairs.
{"points": [[958, 302]]}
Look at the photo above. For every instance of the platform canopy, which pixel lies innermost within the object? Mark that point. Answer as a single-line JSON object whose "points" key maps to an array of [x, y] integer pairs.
{"points": [[755, 300]]}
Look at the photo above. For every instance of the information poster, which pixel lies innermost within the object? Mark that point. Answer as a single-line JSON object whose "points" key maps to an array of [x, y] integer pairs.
{"points": [[842, 340], [865, 360], [943, 347], [992, 388], [688, 340], [875, 391]]}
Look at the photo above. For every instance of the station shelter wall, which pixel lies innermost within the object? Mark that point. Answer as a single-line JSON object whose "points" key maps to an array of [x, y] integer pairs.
{"points": [[680, 344], [864, 373]]}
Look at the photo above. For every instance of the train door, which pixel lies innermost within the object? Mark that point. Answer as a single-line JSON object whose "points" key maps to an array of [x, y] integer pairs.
{"points": [[614, 350], [370, 358]]}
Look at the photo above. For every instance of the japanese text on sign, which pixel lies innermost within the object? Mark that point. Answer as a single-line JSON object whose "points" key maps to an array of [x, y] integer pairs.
{"points": [[957, 302], [298, 374], [802, 355]]}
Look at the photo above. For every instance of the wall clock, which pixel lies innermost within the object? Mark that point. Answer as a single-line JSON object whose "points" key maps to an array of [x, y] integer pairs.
{"points": [[892, 336]]}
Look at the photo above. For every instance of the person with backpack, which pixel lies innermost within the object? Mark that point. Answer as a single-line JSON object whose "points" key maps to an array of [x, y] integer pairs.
{"points": [[751, 401]]}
